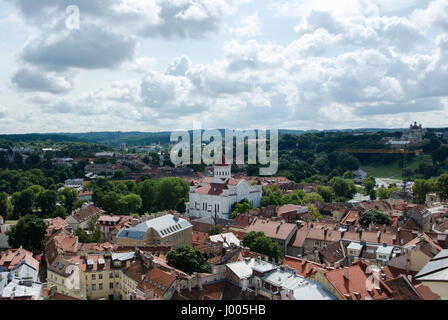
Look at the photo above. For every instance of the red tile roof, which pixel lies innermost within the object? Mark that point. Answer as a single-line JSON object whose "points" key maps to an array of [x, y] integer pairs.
{"points": [[273, 229], [86, 213], [426, 293], [350, 283], [304, 267], [12, 257], [158, 281]]}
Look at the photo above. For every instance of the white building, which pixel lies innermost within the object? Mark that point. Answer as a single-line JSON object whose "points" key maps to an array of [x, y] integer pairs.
{"points": [[216, 195]]}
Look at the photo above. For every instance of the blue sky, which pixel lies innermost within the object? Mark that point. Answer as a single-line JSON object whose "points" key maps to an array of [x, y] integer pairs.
{"points": [[161, 65]]}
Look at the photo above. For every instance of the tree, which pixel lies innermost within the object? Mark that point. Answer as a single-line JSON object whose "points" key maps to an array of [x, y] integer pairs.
{"points": [[240, 207], [216, 229], [343, 187], [119, 174], [272, 195], [375, 217], [439, 155], [169, 192], [128, 204], [346, 162], [420, 188], [23, 202], [442, 186], [187, 259], [327, 193], [369, 185], [315, 212], [68, 198], [29, 233], [146, 190], [260, 243], [313, 197], [46, 201], [5, 206]]}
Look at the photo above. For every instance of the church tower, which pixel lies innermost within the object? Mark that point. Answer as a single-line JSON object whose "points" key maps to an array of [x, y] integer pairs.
{"points": [[222, 170]]}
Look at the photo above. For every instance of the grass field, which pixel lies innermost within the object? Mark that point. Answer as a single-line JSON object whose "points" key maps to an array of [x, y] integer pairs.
{"points": [[393, 170]]}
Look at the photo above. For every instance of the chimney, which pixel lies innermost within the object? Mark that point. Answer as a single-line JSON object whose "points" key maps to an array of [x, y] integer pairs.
{"points": [[378, 236], [347, 274]]}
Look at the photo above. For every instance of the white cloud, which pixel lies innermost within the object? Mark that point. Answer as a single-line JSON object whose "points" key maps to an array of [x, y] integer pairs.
{"points": [[250, 26]]}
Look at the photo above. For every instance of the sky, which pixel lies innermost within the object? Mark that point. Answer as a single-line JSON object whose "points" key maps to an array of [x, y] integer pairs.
{"points": [[163, 65]]}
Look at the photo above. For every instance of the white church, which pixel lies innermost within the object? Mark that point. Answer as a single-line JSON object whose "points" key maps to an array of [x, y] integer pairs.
{"points": [[214, 196]]}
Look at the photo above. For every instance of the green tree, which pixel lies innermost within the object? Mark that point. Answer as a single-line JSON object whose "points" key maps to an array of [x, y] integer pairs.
{"points": [[375, 217], [369, 185], [170, 192], [187, 259], [23, 202], [420, 188], [346, 162], [68, 198], [315, 212], [343, 187], [46, 201], [442, 186], [128, 204], [216, 229], [5, 206], [326, 192], [29, 232], [260, 243], [313, 197], [146, 190], [119, 174], [240, 207]]}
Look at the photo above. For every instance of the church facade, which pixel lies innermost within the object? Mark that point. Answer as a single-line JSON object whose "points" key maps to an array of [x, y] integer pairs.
{"points": [[214, 196]]}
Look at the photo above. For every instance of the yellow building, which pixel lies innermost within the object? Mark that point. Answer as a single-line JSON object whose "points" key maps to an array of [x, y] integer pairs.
{"points": [[97, 276]]}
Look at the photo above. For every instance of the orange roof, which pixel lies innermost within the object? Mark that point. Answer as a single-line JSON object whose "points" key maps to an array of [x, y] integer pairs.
{"points": [[354, 287], [12, 257], [425, 237], [351, 217], [426, 293], [304, 267], [158, 281], [272, 229], [55, 224], [298, 239]]}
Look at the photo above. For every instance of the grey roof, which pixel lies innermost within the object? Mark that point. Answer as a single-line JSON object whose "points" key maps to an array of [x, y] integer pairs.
{"points": [[441, 255], [123, 256], [303, 289], [17, 289], [164, 226], [438, 263]]}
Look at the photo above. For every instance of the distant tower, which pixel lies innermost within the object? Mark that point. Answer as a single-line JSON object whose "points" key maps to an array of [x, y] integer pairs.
{"points": [[162, 158], [118, 139]]}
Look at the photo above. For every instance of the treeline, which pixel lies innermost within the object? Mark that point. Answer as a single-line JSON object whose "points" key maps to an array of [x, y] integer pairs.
{"points": [[148, 196], [36, 200]]}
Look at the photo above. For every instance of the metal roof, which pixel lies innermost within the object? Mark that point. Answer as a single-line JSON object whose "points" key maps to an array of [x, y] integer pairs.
{"points": [[438, 263], [164, 226]]}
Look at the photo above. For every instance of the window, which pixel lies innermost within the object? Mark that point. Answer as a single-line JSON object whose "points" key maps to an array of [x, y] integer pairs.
{"points": [[93, 287], [100, 276], [117, 275], [93, 277], [111, 275], [100, 286], [111, 285]]}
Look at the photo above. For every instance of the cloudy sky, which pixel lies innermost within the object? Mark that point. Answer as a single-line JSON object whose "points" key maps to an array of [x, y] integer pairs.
{"points": [[139, 65]]}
